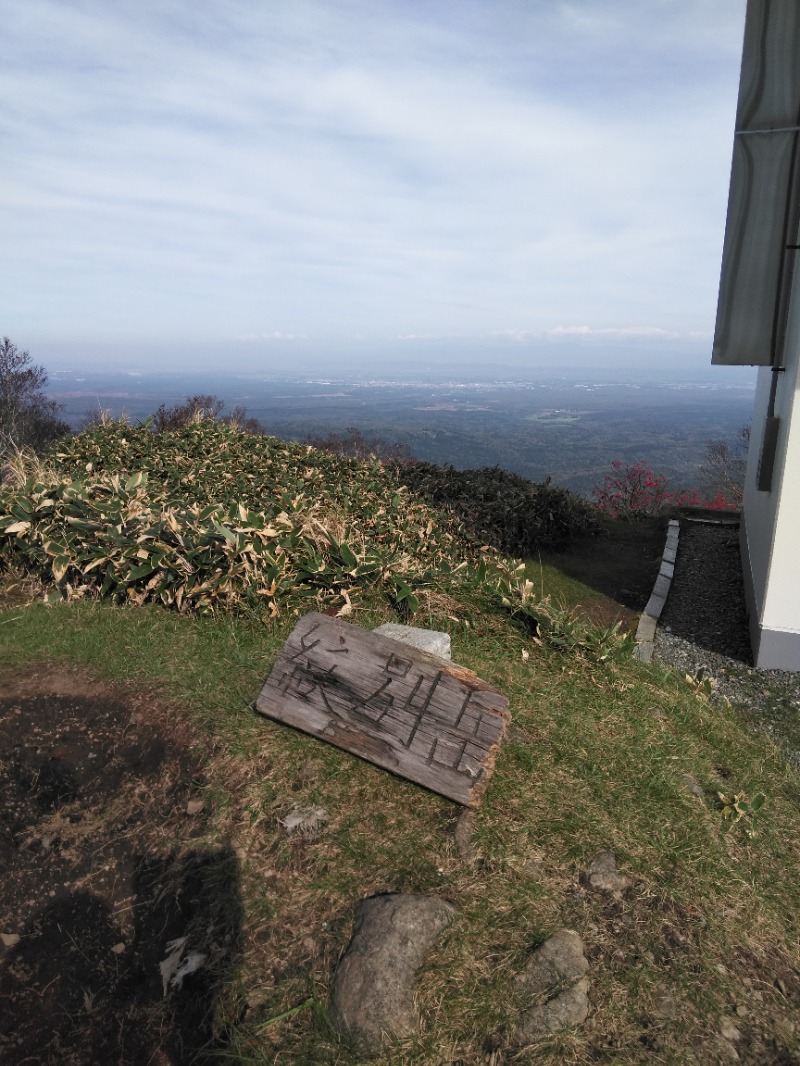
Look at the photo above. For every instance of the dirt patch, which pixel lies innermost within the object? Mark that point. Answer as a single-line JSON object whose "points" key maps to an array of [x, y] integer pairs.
{"points": [[104, 876]]}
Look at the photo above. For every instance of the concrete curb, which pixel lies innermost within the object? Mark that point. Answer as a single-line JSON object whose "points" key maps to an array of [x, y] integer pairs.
{"points": [[646, 630]]}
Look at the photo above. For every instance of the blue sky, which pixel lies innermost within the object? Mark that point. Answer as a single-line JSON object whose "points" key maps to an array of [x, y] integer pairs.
{"points": [[259, 175]]}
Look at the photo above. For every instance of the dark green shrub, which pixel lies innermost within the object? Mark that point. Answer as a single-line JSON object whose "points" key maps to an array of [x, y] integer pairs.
{"points": [[503, 510]]}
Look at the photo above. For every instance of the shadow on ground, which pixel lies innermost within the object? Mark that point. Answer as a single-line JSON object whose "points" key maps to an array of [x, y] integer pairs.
{"points": [[621, 564], [117, 940]]}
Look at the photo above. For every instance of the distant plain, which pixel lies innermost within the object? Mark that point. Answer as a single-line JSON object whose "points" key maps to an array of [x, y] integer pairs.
{"points": [[565, 423]]}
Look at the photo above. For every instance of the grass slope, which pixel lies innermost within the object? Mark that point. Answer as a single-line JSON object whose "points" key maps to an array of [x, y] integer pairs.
{"points": [[597, 757]]}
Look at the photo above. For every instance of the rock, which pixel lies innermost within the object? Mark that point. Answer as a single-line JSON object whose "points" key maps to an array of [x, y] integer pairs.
{"points": [[10, 940], [429, 640], [372, 998], [556, 970], [462, 833], [603, 874], [569, 1008], [558, 961], [727, 1052], [534, 869], [729, 1031], [665, 1005], [692, 785]]}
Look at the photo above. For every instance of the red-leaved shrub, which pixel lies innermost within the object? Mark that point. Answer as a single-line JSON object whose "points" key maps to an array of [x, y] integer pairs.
{"points": [[634, 491]]}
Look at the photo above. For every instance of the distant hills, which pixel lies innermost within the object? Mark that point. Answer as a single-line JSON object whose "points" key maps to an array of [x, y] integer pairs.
{"points": [[567, 424]]}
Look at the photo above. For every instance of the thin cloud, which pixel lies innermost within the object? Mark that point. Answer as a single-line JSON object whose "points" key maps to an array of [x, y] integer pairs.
{"points": [[618, 331], [312, 169], [276, 335]]}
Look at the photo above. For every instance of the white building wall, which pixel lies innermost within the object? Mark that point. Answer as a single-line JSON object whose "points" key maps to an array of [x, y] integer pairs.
{"points": [[771, 520]]}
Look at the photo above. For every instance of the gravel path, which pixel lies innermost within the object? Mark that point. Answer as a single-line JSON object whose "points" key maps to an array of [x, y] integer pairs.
{"points": [[704, 628]]}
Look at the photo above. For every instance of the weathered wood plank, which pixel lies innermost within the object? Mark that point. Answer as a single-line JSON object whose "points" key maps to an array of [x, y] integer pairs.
{"points": [[423, 718]]}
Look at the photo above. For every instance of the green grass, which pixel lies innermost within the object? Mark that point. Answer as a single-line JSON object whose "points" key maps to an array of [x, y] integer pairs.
{"points": [[566, 591], [595, 758]]}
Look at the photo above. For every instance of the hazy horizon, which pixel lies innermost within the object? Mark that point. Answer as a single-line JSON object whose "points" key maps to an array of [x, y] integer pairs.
{"points": [[569, 353]]}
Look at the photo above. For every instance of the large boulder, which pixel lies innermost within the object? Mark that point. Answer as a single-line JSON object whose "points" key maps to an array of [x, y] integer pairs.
{"points": [[372, 999]]}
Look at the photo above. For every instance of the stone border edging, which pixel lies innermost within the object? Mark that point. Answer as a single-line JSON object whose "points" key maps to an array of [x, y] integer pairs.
{"points": [[646, 630]]}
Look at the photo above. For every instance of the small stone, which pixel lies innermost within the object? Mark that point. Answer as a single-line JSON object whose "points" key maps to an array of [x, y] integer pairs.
{"points": [[462, 834], [533, 866], [692, 785], [603, 874], [118, 949], [194, 806], [566, 1010], [729, 1032], [429, 640], [666, 1006], [728, 1051], [557, 970], [559, 959], [10, 940]]}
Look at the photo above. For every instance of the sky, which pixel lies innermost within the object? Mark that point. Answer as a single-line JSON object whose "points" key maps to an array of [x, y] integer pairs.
{"points": [[260, 178]]}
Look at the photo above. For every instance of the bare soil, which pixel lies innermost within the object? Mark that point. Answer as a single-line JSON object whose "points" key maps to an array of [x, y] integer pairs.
{"points": [[102, 877]]}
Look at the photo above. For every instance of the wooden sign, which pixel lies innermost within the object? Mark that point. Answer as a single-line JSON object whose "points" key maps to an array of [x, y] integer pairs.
{"points": [[421, 717]]}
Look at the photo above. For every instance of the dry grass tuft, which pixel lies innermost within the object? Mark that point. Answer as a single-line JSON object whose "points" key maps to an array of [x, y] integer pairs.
{"points": [[22, 464]]}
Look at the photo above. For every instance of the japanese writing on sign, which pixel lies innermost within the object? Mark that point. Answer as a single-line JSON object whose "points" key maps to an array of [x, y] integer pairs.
{"points": [[421, 717]]}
